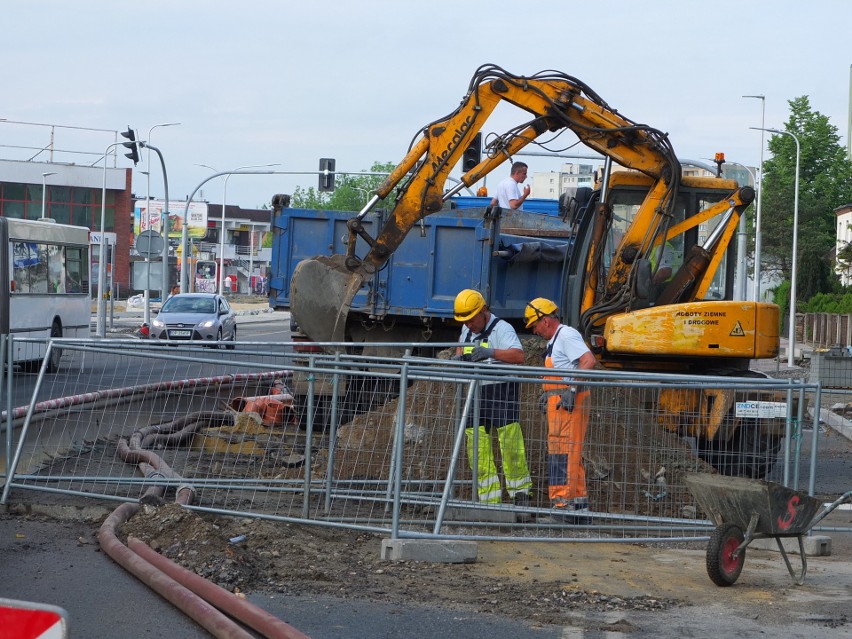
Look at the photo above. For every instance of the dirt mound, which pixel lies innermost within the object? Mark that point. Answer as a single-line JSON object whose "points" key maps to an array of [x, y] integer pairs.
{"points": [[250, 554], [633, 465]]}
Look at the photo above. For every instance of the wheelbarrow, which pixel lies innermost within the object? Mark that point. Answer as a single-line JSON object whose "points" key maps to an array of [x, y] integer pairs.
{"points": [[747, 509]]}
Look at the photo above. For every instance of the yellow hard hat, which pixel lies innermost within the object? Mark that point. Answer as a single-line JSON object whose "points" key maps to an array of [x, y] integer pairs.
{"points": [[538, 308], [468, 303]]}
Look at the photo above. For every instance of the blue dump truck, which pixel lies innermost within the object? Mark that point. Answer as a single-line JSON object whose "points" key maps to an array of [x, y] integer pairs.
{"points": [[510, 256]]}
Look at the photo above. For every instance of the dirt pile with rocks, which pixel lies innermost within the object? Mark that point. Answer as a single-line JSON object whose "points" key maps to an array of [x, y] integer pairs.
{"points": [[633, 465], [243, 555]]}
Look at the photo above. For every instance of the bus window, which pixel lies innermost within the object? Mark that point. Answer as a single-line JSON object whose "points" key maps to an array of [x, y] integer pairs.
{"points": [[76, 271], [29, 265]]}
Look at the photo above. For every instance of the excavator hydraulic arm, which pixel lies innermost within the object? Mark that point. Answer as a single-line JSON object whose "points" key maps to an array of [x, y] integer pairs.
{"points": [[323, 288]]}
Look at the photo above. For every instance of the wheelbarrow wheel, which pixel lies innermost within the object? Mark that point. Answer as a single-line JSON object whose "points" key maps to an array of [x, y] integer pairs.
{"points": [[723, 566]]}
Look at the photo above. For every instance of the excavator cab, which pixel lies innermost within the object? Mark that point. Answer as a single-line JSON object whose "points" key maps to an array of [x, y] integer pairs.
{"points": [[625, 195]]}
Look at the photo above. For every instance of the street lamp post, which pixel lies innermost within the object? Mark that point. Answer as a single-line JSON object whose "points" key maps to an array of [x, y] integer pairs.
{"points": [[44, 191], [792, 329], [101, 319], [222, 228], [147, 315], [758, 243], [741, 242], [251, 257]]}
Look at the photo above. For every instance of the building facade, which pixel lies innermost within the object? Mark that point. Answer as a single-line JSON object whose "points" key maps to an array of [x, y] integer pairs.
{"points": [[550, 185], [843, 240]]}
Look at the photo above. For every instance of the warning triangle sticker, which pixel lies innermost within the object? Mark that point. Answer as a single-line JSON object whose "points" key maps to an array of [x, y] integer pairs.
{"points": [[738, 330]]}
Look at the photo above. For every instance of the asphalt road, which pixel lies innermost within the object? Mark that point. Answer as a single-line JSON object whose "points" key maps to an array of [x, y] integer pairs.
{"points": [[59, 562], [260, 327]]}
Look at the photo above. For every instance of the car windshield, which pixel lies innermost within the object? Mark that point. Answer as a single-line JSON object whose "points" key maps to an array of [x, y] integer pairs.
{"points": [[190, 305]]}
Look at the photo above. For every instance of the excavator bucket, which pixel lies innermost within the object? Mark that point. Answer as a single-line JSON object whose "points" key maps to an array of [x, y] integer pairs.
{"points": [[321, 294]]}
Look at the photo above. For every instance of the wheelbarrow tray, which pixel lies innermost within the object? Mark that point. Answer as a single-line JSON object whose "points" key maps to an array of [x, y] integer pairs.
{"points": [[780, 511]]}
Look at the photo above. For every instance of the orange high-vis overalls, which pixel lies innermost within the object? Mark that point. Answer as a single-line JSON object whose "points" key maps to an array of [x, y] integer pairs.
{"points": [[566, 432]]}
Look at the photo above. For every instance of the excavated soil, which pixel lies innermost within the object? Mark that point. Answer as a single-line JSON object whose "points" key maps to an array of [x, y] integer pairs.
{"points": [[244, 555], [633, 465]]}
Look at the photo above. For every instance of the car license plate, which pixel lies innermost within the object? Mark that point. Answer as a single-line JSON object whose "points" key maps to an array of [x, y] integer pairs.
{"points": [[180, 333]]}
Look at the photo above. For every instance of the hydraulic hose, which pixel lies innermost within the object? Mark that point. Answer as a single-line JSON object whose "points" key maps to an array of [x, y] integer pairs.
{"points": [[179, 430], [131, 391], [197, 597], [245, 611], [191, 604]]}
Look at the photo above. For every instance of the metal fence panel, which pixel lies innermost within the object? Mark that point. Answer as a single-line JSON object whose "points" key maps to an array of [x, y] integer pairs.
{"points": [[375, 443]]}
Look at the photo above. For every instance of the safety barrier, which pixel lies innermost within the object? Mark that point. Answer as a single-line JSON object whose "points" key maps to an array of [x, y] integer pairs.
{"points": [[380, 444]]}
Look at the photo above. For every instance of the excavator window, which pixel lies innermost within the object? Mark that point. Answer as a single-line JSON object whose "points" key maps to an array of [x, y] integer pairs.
{"points": [[626, 199]]}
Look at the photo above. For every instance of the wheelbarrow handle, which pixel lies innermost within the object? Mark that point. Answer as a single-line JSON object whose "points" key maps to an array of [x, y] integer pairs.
{"points": [[840, 500]]}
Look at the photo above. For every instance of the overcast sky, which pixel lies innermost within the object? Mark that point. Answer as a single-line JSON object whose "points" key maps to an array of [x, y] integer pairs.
{"points": [[277, 81]]}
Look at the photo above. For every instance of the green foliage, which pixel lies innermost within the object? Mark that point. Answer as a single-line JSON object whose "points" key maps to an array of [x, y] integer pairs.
{"points": [[781, 297], [829, 303], [825, 182], [351, 192]]}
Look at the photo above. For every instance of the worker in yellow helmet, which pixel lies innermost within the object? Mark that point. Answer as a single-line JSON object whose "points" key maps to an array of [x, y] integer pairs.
{"points": [[567, 407], [492, 340]]}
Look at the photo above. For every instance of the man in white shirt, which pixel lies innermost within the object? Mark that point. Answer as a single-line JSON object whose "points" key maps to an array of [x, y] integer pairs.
{"points": [[494, 340], [509, 194]]}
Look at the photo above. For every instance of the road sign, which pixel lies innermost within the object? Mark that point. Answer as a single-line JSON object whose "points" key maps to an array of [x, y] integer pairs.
{"points": [[28, 620], [149, 244]]}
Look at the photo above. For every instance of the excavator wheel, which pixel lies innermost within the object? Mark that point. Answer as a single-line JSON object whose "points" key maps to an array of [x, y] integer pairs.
{"points": [[749, 453]]}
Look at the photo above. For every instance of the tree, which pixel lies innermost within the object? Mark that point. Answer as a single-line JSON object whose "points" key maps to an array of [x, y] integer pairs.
{"points": [[351, 193], [825, 182]]}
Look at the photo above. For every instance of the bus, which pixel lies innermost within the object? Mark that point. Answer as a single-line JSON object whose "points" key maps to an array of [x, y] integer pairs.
{"points": [[47, 291]]}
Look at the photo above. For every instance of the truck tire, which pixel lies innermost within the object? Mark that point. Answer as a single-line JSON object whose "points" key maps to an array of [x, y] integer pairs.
{"points": [[722, 566]]}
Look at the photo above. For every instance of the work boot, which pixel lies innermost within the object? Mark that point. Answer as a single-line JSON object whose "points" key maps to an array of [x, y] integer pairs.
{"points": [[522, 500], [581, 511], [575, 511]]}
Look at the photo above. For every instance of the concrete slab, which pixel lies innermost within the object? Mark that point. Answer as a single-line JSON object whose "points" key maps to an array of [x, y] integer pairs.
{"points": [[493, 515], [815, 545], [834, 421], [431, 550]]}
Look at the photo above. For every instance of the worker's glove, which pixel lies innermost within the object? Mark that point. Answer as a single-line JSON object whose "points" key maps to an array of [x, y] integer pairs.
{"points": [[542, 403], [460, 357], [567, 399], [480, 353]]}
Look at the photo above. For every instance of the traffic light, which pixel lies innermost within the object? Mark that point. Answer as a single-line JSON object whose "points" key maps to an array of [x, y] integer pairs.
{"points": [[472, 154], [132, 144], [326, 177]]}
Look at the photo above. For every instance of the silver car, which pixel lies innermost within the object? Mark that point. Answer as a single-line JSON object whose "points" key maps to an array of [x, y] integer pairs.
{"points": [[195, 316]]}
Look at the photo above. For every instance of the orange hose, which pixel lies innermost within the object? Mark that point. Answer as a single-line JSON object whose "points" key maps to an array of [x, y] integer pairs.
{"points": [[253, 616], [192, 605]]}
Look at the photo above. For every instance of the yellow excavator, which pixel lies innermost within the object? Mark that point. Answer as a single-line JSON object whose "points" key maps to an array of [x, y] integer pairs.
{"points": [[644, 279]]}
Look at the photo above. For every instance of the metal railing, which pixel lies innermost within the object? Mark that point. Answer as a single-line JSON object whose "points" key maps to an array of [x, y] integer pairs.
{"points": [[369, 443]]}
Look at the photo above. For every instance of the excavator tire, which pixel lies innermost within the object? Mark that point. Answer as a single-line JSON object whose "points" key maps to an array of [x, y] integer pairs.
{"points": [[749, 453]]}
